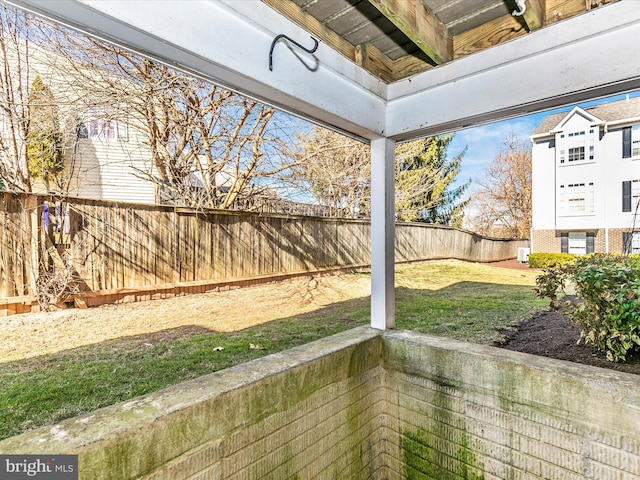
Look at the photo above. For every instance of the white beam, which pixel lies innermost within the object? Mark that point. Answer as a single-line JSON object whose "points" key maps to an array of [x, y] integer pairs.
{"points": [[228, 43], [382, 234], [588, 56]]}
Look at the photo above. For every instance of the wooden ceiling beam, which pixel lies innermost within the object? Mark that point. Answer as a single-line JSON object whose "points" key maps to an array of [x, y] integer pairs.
{"points": [[294, 13], [534, 15], [408, 65], [487, 35], [374, 61], [422, 27]]}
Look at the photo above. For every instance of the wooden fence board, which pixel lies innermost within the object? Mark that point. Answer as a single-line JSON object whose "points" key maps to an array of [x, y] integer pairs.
{"points": [[116, 245]]}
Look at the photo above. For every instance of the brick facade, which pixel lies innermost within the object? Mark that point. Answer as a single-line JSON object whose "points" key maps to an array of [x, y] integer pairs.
{"points": [[548, 241]]}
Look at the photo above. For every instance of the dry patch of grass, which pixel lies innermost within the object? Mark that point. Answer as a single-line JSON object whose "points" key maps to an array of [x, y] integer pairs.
{"points": [[34, 334]]}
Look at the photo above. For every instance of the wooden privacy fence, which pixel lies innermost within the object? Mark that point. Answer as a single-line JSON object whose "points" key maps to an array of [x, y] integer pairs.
{"points": [[115, 245]]}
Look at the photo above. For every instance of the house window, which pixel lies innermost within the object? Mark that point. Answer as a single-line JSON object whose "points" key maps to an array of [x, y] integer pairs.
{"points": [[578, 243], [576, 198], [631, 242], [630, 195], [631, 141], [100, 125], [576, 154], [576, 146]]}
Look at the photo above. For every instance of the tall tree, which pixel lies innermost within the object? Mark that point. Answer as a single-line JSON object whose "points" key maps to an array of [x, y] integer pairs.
{"points": [[14, 88], [34, 132], [44, 138], [502, 207], [424, 182], [209, 147], [336, 171]]}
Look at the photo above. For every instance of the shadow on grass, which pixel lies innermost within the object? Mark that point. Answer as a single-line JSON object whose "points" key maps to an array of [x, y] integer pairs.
{"points": [[43, 390]]}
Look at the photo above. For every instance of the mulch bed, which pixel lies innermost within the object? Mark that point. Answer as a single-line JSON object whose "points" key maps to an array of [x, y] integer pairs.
{"points": [[549, 334]]}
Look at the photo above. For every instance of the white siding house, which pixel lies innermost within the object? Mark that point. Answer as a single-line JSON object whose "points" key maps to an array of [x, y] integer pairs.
{"points": [[103, 158], [109, 162], [586, 180]]}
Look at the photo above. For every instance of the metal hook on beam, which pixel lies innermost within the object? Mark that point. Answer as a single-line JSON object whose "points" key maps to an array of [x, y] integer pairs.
{"points": [[522, 7], [290, 40]]}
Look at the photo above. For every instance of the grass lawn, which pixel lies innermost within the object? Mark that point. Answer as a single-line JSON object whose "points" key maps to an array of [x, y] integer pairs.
{"points": [[454, 299]]}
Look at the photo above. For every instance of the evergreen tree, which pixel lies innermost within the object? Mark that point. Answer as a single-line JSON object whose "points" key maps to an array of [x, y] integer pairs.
{"points": [[336, 170], [44, 138], [424, 178]]}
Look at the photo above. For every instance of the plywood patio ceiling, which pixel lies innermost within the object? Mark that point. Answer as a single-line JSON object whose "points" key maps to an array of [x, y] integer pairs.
{"points": [[394, 39]]}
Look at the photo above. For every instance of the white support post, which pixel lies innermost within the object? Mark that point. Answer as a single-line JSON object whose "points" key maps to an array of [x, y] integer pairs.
{"points": [[382, 234]]}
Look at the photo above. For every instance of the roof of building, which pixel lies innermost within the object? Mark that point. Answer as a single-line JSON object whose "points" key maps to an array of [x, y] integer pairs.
{"points": [[608, 112]]}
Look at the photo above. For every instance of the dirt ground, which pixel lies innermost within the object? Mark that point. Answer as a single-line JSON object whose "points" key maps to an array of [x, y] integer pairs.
{"points": [[549, 334], [21, 336]]}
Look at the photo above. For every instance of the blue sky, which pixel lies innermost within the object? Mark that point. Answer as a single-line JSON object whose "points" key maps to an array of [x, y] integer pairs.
{"points": [[484, 142]]}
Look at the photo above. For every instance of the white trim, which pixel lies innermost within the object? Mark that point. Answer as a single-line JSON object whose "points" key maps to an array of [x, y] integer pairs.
{"points": [[513, 78], [630, 121], [217, 42], [579, 111]]}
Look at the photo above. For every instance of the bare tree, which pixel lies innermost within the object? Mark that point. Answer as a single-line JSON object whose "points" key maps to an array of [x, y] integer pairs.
{"points": [[37, 105], [335, 170], [502, 207], [209, 147], [15, 78]]}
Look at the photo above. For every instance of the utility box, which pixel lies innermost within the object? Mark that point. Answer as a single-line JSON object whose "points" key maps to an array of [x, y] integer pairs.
{"points": [[523, 254]]}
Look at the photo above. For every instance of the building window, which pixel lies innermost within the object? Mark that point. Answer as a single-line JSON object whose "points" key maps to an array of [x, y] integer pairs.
{"points": [[576, 146], [631, 141], [630, 195], [577, 243], [576, 198], [101, 125], [631, 242], [576, 154]]}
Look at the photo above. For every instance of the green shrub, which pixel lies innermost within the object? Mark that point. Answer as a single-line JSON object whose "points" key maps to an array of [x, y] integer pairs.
{"points": [[548, 260], [552, 283], [607, 310]]}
